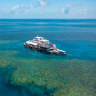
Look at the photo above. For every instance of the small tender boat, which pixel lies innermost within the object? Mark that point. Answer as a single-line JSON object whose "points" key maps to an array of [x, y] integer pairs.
{"points": [[43, 45]]}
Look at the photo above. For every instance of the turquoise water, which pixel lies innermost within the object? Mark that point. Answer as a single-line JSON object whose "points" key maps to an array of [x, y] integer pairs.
{"points": [[25, 72]]}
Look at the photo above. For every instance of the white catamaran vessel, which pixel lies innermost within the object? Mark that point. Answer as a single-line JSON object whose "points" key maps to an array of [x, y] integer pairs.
{"points": [[43, 45]]}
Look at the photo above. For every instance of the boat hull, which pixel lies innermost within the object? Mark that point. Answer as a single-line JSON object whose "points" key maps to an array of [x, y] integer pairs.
{"points": [[45, 50]]}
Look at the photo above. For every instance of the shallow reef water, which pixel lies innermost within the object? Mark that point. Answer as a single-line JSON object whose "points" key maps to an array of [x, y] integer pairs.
{"points": [[50, 77], [25, 72]]}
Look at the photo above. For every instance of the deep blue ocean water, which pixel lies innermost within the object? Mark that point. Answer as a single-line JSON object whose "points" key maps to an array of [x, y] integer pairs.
{"points": [[77, 37]]}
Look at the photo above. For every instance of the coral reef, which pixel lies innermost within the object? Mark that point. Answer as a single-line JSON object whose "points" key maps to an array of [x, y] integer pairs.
{"points": [[52, 77]]}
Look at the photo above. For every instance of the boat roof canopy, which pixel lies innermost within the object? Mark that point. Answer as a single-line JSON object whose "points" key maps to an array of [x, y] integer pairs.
{"points": [[45, 40], [28, 42], [38, 37]]}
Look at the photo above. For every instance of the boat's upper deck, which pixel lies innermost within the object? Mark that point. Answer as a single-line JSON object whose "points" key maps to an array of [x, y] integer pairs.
{"points": [[40, 39]]}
